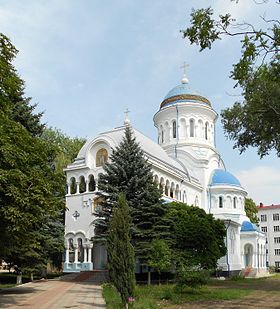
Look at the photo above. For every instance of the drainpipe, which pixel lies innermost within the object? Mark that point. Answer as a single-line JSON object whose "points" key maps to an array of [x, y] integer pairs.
{"points": [[228, 266], [177, 130]]}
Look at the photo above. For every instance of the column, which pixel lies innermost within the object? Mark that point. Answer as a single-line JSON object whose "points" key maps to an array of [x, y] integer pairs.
{"points": [[68, 188], [85, 254], [67, 255], [78, 187], [89, 253], [76, 254], [87, 186]]}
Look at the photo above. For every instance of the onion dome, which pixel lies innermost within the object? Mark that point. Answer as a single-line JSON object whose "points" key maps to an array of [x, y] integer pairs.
{"points": [[181, 93], [222, 177], [248, 226]]}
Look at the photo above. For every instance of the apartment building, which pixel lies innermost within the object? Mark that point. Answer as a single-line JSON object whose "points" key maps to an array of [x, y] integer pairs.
{"points": [[269, 222]]}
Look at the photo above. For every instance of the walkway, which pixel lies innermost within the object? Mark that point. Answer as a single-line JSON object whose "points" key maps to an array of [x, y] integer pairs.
{"points": [[82, 290]]}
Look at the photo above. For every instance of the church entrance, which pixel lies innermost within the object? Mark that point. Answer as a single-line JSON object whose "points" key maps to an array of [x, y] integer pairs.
{"points": [[248, 255]]}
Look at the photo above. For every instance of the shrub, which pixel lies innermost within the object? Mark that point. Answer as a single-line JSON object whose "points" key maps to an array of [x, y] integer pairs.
{"points": [[192, 277]]}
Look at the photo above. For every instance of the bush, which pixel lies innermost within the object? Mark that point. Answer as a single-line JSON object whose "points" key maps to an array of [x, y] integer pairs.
{"points": [[192, 277]]}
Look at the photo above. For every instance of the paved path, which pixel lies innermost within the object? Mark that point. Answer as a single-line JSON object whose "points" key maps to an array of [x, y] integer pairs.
{"points": [[72, 291]]}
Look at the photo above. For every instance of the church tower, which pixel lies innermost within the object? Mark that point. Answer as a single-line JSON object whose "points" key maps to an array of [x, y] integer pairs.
{"points": [[186, 131]]}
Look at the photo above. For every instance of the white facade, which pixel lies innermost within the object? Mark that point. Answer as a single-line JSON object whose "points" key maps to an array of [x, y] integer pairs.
{"points": [[186, 166], [270, 225]]}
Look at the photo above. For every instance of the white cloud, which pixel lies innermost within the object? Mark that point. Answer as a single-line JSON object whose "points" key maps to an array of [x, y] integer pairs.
{"points": [[262, 184]]}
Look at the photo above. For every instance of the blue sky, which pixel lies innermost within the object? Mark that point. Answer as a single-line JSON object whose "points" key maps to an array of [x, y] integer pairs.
{"points": [[85, 62]]}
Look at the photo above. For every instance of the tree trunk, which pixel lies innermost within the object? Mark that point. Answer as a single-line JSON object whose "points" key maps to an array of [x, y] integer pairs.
{"points": [[19, 279], [159, 278], [31, 276], [149, 277]]}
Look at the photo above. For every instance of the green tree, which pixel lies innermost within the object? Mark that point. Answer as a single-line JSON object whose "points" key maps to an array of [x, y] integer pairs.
{"points": [[160, 256], [67, 147], [12, 100], [31, 189], [197, 239], [129, 172], [255, 120], [251, 210], [121, 260]]}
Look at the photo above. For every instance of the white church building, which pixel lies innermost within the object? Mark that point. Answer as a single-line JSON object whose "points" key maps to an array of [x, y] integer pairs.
{"points": [[186, 166]]}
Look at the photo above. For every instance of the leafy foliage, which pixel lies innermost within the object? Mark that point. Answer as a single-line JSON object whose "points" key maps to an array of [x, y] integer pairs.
{"points": [[255, 121], [160, 255], [251, 210], [120, 251], [197, 239], [130, 173], [192, 277]]}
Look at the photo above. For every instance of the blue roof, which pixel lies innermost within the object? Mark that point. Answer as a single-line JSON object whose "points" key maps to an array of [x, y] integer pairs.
{"points": [[181, 93], [178, 90], [247, 226], [222, 177]]}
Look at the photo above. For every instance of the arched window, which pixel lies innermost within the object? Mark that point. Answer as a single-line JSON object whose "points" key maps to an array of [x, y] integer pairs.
{"points": [[191, 128], [221, 202], [162, 136], [174, 129], [206, 130], [73, 185], [101, 157], [80, 250], [196, 203], [234, 202], [71, 250], [91, 183], [82, 186], [200, 127]]}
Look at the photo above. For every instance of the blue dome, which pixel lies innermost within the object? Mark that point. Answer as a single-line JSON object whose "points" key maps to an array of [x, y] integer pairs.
{"points": [[222, 177], [178, 90], [181, 93], [247, 226]]}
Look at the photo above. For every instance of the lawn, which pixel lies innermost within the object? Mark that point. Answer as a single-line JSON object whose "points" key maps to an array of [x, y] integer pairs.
{"points": [[155, 296]]}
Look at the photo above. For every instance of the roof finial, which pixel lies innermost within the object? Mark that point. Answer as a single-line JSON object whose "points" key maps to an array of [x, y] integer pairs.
{"points": [[126, 119], [184, 67]]}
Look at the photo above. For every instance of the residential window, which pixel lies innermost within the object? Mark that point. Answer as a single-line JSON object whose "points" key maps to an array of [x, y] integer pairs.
{"points": [[277, 251], [277, 240], [277, 264], [263, 218], [276, 228], [275, 217], [264, 229]]}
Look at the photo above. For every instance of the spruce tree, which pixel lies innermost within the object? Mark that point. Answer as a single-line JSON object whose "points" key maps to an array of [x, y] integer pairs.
{"points": [[130, 173], [120, 251]]}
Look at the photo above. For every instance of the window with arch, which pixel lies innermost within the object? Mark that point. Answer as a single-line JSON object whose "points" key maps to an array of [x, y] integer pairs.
{"points": [[71, 250], [221, 204], [196, 203], [91, 183], [73, 185], [174, 129], [235, 202], [191, 128], [82, 185], [206, 130], [80, 250], [101, 157], [162, 136]]}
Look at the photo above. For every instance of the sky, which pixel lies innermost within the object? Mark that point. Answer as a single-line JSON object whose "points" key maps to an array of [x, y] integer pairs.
{"points": [[84, 62]]}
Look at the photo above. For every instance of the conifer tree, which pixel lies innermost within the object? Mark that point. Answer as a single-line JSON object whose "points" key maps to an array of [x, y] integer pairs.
{"points": [[129, 172], [120, 250]]}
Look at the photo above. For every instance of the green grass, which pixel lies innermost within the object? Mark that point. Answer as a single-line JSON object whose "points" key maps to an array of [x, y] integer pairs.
{"points": [[5, 286], [153, 297]]}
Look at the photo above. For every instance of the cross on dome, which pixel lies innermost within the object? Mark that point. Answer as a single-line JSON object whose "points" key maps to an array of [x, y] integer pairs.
{"points": [[184, 67], [126, 119]]}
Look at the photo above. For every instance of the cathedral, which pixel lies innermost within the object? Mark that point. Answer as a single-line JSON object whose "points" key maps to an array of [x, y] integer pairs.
{"points": [[187, 167]]}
